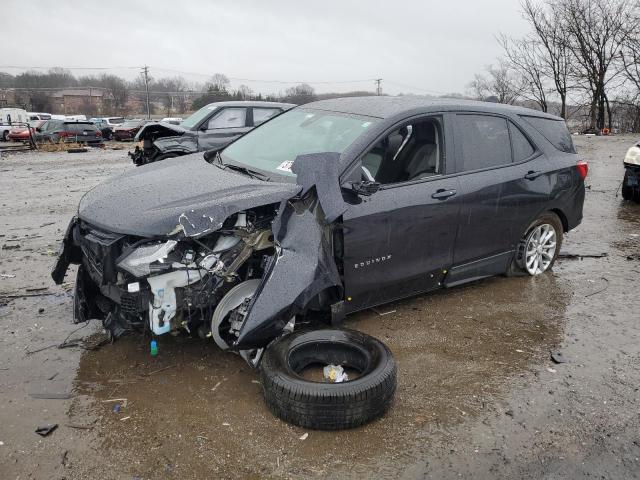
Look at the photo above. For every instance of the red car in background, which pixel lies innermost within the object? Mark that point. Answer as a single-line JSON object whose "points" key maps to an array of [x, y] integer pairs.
{"points": [[21, 134], [129, 129]]}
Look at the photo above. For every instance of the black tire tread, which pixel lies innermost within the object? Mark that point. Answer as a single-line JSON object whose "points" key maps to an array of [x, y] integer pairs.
{"points": [[308, 405]]}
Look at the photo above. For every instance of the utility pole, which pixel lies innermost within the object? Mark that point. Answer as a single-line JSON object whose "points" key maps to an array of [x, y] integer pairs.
{"points": [[378, 86], [145, 72]]}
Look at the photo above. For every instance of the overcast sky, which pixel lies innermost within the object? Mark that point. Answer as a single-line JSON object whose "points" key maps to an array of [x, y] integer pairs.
{"points": [[415, 46]]}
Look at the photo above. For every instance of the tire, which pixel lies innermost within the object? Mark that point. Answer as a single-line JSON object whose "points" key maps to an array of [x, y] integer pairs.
{"points": [[5, 136], [328, 406], [519, 265]]}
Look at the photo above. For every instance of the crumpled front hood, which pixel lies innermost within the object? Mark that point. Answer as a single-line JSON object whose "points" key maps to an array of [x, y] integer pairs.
{"points": [[183, 194], [160, 129]]}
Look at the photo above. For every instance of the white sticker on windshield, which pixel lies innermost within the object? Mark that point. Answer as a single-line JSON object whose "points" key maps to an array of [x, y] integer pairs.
{"points": [[286, 166]]}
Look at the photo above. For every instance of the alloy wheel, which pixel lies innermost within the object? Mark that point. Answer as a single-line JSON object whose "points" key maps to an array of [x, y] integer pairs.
{"points": [[540, 249]]}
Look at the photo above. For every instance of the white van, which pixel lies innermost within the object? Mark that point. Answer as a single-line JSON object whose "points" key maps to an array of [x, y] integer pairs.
{"points": [[10, 116]]}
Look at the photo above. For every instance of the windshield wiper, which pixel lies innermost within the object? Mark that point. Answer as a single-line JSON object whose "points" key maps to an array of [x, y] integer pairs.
{"points": [[243, 170]]}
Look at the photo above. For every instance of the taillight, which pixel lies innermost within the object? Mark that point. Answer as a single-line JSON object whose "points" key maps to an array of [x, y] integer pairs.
{"points": [[98, 133], [65, 134], [583, 169]]}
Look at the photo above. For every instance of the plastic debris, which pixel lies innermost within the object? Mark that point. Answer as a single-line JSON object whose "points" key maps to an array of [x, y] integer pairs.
{"points": [[116, 408], [154, 348], [304, 436], [335, 374], [45, 430]]}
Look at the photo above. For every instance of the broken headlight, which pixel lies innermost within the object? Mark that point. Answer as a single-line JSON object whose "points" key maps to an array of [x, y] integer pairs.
{"points": [[138, 262]]}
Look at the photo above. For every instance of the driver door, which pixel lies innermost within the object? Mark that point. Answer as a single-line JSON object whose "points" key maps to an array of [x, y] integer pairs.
{"points": [[224, 126], [400, 240]]}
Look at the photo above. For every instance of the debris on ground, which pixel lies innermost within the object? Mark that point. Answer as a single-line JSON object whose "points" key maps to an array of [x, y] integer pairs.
{"points": [[606, 285], [51, 396], [7, 275], [304, 436], [558, 357], [580, 256], [335, 374], [45, 430]]}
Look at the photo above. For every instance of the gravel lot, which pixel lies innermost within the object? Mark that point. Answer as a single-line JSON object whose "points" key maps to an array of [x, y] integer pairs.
{"points": [[478, 395]]}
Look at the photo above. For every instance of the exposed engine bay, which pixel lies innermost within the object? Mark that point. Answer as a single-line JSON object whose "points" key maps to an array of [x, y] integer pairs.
{"points": [[163, 286]]}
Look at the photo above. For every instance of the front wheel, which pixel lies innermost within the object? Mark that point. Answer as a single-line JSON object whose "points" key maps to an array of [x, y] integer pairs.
{"points": [[538, 249]]}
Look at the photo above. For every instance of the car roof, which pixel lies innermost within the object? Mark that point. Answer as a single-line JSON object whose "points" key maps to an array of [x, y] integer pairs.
{"points": [[387, 106], [251, 103]]}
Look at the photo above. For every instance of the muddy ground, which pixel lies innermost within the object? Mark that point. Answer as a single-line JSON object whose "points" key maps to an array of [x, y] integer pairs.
{"points": [[478, 395]]}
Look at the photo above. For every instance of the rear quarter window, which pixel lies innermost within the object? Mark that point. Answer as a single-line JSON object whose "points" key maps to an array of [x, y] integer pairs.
{"points": [[555, 131]]}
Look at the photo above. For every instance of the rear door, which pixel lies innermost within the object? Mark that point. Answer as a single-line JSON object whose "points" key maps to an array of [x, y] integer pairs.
{"points": [[504, 184], [224, 126]]}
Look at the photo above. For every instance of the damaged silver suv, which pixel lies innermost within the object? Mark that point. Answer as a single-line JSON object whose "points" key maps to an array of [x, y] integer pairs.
{"points": [[333, 207]]}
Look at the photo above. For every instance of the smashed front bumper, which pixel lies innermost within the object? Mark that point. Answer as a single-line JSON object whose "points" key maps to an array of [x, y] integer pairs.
{"points": [[100, 292]]}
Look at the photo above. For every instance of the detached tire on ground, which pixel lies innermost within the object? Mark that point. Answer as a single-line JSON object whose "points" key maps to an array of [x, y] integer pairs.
{"points": [[328, 406]]}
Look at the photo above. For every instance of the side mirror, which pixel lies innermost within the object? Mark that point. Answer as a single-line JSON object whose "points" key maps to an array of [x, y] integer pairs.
{"points": [[38, 129], [365, 187]]}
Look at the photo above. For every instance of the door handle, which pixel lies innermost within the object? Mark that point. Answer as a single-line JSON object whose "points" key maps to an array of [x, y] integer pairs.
{"points": [[531, 175], [443, 194]]}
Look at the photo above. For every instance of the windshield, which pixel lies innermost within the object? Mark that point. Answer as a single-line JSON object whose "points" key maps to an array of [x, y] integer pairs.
{"points": [[131, 123], [197, 117], [275, 145]]}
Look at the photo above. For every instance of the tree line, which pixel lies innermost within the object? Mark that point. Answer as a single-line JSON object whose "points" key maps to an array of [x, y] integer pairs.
{"points": [[168, 95], [580, 58]]}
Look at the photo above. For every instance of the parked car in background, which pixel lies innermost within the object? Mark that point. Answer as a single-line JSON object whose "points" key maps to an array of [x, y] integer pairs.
{"points": [[76, 118], [112, 122], [9, 117], [103, 126], [22, 134], [631, 180], [129, 129], [39, 116], [213, 126], [56, 131]]}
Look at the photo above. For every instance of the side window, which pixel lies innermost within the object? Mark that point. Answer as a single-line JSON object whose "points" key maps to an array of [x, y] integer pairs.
{"points": [[411, 152], [228, 118], [261, 115], [483, 140], [522, 148], [555, 131]]}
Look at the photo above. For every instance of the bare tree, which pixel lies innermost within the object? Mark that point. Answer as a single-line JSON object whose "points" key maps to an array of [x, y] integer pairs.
{"points": [[598, 29], [499, 83], [526, 56], [299, 94], [244, 92], [218, 82], [552, 38]]}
